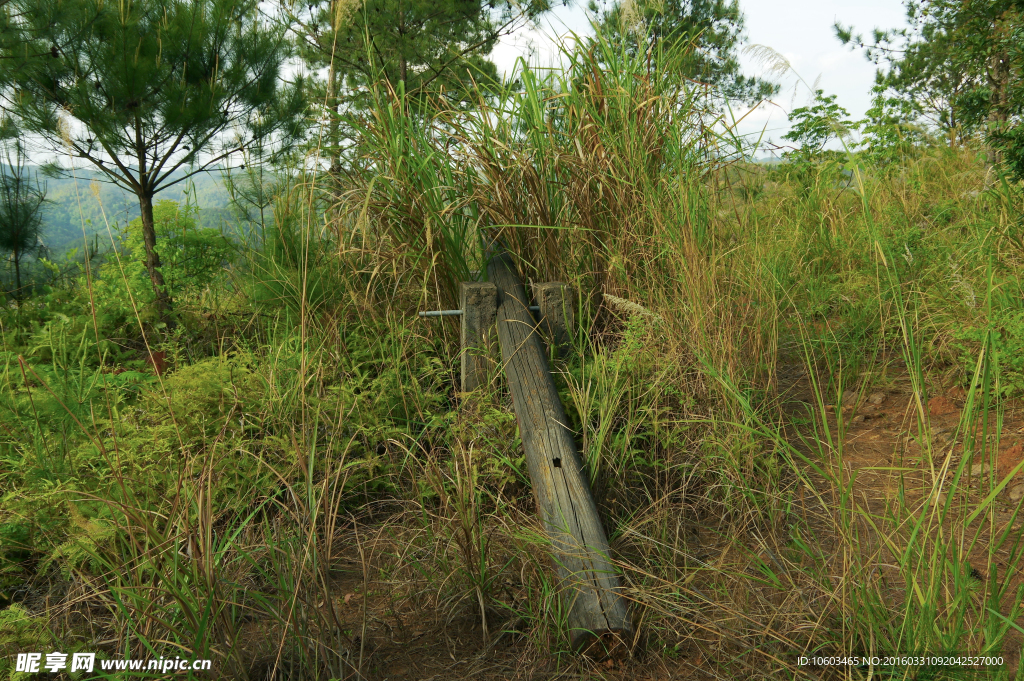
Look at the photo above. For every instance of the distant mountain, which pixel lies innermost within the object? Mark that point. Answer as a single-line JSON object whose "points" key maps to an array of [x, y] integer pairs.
{"points": [[78, 205]]}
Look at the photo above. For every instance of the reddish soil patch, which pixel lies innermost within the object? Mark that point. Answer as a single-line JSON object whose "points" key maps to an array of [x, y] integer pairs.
{"points": [[1008, 460], [941, 406], [158, 360], [887, 453]]}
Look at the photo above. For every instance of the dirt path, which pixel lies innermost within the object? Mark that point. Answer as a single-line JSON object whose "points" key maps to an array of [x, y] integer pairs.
{"points": [[898, 476]]}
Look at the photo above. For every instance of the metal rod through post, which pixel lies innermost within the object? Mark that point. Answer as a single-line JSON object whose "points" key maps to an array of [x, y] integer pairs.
{"points": [[441, 313]]}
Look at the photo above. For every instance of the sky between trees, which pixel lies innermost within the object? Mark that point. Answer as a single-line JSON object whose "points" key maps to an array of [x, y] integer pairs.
{"points": [[799, 29]]}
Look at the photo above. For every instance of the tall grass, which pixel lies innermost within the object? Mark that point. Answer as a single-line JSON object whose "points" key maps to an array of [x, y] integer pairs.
{"points": [[304, 492]]}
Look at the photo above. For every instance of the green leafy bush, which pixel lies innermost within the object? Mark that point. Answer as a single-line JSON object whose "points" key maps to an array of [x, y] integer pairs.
{"points": [[192, 259], [891, 131], [816, 125], [1007, 329], [20, 631], [1011, 143]]}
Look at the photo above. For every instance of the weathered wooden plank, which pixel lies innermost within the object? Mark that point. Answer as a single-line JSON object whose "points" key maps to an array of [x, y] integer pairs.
{"points": [[597, 615], [479, 303]]}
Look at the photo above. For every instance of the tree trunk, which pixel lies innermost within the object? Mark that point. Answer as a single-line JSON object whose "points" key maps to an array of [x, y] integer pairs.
{"points": [[163, 300], [403, 65], [17, 275], [999, 82], [334, 111], [333, 87]]}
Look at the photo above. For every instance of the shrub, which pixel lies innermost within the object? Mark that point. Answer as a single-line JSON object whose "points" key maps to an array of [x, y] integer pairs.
{"points": [[192, 259], [816, 125], [1007, 329]]}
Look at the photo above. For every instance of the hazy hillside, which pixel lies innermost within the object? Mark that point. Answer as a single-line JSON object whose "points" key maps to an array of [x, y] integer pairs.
{"points": [[86, 199]]}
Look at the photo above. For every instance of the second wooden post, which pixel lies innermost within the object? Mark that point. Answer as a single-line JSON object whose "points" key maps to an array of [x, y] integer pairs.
{"points": [[479, 302], [555, 301]]}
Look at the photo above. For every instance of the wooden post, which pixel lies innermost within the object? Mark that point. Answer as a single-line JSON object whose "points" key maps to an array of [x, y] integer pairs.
{"points": [[597, 616], [555, 301], [479, 301]]}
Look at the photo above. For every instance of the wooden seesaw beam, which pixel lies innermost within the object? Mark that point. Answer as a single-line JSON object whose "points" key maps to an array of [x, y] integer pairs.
{"points": [[598, 619]]}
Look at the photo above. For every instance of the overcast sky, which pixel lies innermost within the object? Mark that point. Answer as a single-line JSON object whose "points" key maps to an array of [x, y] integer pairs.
{"points": [[801, 30]]}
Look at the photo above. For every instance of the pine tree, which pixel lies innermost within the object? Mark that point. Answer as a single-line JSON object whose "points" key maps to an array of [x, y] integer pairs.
{"points": [[422, 47], [714, 27], [21, 215], [143, 88]]}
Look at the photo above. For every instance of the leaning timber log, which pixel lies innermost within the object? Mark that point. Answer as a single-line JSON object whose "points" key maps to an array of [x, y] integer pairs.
{"points": [[598, 619]]}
